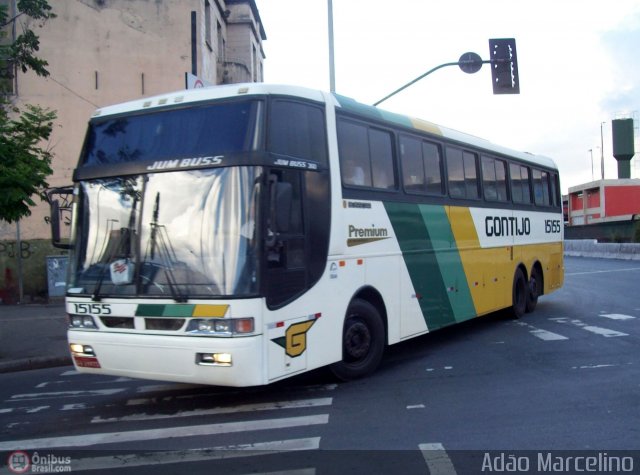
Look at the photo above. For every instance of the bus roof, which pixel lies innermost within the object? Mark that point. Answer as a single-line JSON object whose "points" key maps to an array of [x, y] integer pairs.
{"points": [[345, 103]]}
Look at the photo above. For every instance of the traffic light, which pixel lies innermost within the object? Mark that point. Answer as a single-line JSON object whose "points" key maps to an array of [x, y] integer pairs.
{"points": [[504, 66]]}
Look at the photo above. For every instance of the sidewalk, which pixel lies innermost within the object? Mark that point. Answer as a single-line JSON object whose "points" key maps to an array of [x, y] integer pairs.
{"points": [[33, 336]]}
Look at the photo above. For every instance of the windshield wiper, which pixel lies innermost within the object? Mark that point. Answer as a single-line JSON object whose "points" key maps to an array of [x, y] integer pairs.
{"points": [[159, 238], [117, 249]]}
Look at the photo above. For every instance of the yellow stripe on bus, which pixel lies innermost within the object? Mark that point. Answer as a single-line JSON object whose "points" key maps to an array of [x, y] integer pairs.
{"points": [[212, 311]]}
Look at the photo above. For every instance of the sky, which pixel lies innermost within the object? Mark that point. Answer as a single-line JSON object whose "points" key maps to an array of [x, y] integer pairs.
{"points": [[578, 62]]}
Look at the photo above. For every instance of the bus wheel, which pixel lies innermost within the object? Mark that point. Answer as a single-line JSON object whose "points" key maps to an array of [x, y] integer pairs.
{"points": [[535, 289], [519, 294], [362, 341]]}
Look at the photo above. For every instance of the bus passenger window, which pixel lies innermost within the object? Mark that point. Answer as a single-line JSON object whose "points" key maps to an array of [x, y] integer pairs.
{"points": [[463, 177], [520, 190], [381, 159], [494, 179], [353, 145], [541, 188], [455, 170], [412, 165], [432, 167]]}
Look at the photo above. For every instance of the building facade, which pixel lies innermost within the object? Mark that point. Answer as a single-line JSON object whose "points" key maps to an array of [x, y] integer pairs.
{"points": [[103, 52]]}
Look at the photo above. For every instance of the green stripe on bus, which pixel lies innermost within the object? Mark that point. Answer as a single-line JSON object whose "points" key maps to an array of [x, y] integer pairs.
{"points": [[433, 262], [161, 310]]}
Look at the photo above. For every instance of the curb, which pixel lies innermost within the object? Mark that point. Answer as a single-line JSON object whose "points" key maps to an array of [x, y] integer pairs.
{"points": [[40, 362]]}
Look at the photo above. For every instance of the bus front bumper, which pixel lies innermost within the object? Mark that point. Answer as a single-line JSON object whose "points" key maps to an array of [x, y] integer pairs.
{"points": [[185, 359]]}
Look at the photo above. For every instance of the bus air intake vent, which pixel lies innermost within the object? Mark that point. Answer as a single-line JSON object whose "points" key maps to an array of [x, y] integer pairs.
{"points": [[118, 322], [170, 324]]}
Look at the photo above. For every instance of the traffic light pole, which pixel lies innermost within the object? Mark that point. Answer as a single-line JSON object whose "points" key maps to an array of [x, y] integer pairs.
{"points": [[457, 63], [504, 71]]}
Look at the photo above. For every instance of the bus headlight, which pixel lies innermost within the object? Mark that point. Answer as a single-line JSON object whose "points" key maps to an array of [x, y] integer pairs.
{"points": [[82, 321], [221, 326]]}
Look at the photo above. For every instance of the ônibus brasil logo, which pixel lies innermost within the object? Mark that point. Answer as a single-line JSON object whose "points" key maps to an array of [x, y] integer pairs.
{"points": [[19, 462]]}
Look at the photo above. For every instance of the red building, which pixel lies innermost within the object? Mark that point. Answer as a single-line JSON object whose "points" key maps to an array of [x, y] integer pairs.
{"points": [[604, 201]]}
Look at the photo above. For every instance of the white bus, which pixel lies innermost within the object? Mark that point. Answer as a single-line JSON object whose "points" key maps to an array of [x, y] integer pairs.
{"points": [[238, 235]]}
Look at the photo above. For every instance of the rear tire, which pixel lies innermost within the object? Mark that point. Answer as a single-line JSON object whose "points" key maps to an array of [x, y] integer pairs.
{"points": [[534, 289], [363, 341], [519, 294]]}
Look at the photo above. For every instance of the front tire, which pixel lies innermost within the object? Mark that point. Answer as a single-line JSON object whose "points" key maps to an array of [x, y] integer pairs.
{"points": [[363, 341]]}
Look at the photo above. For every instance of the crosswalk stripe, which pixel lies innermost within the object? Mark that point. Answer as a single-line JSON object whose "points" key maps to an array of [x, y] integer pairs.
{"points": [[590, 328], [604, 331], [170, 432], [269, 406], [547, 335], [542, 334], [437, 459], [617, 316], [198, 455]]}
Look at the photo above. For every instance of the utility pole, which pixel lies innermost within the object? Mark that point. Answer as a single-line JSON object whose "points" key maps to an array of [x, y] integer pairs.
{"points": [[332, 72]]}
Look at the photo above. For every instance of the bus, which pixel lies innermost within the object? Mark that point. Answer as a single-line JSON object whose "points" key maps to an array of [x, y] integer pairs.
{"points": [[237, 235]]}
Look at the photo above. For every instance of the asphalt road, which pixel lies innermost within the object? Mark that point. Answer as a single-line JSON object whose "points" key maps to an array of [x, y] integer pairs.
{"points": [[561, 382]]}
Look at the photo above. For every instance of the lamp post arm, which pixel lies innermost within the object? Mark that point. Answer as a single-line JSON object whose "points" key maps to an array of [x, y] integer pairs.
{"points": [[457, 63]]}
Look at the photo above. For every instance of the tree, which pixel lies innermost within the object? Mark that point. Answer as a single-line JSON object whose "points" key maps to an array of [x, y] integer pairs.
{"points": [[24, 164]]}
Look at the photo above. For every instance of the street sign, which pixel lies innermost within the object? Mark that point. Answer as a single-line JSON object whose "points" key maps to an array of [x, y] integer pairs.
{"points": [[504, 66]]}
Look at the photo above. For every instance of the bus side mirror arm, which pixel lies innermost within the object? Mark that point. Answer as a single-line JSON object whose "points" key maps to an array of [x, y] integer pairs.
{"points": [[55, 220]]}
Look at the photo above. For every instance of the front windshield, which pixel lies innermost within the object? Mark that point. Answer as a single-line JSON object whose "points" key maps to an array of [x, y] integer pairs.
{"points": [[180, 235]]}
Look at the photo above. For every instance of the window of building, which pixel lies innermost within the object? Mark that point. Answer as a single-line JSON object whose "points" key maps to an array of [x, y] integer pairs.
{"points": [[366, 156], [520, 189], [297, 130], [254, 56], [7, 68], [494, 179], [462, 174], [207, 23], [421, 166], [221, 44]]}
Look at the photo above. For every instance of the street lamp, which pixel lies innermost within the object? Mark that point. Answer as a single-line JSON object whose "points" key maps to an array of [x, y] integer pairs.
{"points": [[591, 151]]}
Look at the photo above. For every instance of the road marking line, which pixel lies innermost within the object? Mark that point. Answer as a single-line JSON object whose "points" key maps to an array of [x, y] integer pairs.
{"points": [[594, 366], [170, 432], [416, 406], [547, 335], [327, 401], [590, 328], [157, 388], [64, 394], [603, 271], [437, 459], [74, 407], [200, 455], [617, 316], [542, 334], [604, 331]]}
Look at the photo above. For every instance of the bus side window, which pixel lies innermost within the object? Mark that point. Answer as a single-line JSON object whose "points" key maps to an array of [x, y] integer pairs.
{"points": [[520, 190], [462, 174], [494, 179], [381, 152], [353, 144], [412, 165], [433, 167]]}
